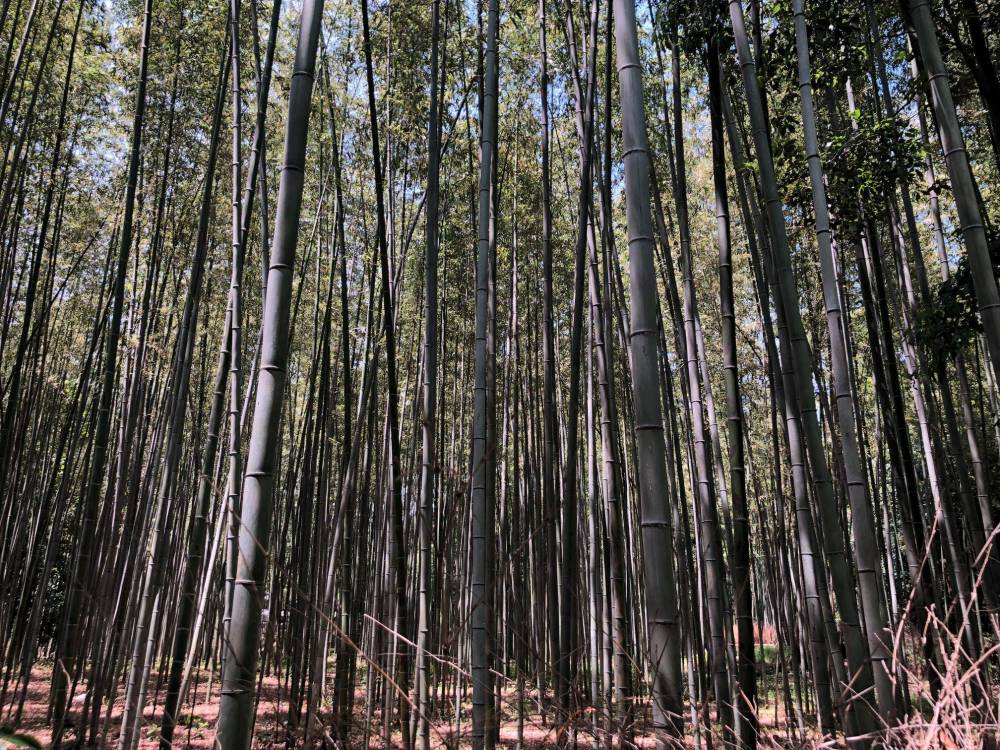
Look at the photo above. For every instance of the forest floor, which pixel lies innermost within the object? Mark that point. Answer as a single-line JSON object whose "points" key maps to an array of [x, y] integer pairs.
{"points": [[201, 711]]}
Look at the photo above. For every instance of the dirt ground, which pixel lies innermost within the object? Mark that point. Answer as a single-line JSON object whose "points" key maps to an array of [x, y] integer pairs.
{"points": [[201, 711]]}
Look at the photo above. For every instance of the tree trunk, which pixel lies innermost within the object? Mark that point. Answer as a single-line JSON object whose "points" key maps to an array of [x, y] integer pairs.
{"points": [[236, 705], [656, 523], [746, 702]]}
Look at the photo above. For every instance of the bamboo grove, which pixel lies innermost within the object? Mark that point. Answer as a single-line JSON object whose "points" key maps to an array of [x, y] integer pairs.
{"points": [[456, 373]]}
